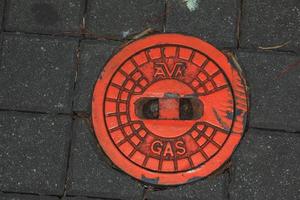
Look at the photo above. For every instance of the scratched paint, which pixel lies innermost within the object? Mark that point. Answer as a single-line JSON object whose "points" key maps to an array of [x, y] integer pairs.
{"points": [[192, 5], [125, 33]]}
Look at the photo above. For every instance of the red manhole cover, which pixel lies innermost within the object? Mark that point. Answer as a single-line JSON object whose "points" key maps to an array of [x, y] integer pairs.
{"points": [[169, 109]]}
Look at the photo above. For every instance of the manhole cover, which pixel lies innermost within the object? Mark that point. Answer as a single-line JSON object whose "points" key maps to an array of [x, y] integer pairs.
{"points": [[169, 109]]}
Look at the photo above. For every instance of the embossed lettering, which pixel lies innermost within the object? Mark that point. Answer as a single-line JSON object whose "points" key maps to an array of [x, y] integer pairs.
{"points": [[168, 149], [161, 70]]}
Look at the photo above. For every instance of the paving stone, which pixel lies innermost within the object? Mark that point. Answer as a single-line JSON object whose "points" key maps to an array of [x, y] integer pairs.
{"points": [[93, 56], [25, 197], [119, 19], [267, 23], [37, 73], [49, 16], [2, 5], [274, 80], [80, 198], [91, 175], [266, 167], [33, 152], [210, 188], [213, 21]]}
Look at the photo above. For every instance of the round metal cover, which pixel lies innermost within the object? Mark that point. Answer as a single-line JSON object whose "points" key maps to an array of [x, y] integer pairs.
{"points": [[169, 109]]}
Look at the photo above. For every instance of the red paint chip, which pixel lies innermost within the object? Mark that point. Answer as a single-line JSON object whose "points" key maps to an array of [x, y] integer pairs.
{"points": [[169, 109]]}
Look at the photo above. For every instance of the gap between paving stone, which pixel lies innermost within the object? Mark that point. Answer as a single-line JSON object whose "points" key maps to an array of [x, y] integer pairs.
{"points": [[165, 16], [257, 50], [83, 35], [271, 130], [28, 194], [34, 112], [77, 62], [69, 197], [239, 19]]}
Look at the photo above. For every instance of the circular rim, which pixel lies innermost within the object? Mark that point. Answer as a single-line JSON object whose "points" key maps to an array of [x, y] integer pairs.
{"points": [[159, 178]]}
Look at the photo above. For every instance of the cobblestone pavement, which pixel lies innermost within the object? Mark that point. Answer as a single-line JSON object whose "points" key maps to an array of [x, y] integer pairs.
{"points": [[52, 52]]}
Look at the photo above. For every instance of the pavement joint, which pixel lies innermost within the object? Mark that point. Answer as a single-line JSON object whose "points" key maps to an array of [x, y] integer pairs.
{"points": [[29, 193], [239, 20], [68, 161], [228, 184], [258, 50], [77, 65], [89, 197], [272, 130], [77, 35], [165, 15], [35, 112], [57, 196]]}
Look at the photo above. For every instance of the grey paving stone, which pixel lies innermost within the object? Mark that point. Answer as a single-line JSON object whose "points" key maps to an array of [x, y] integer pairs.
{"points": [[2, 5], [213, 21], [40, 16], [210, 188], [80, 198], [33, 152], [37, 73], [266, 167], [91, 175], [25, 197], [268, 23], [93, 56], [119, 19], [274, 80]]}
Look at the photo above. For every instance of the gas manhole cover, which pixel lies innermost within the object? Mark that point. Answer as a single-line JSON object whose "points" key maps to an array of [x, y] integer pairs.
{"points": [[169, 109]]}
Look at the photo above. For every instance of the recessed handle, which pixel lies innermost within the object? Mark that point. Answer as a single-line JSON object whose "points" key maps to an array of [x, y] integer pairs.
{"points": [[169, 108]]}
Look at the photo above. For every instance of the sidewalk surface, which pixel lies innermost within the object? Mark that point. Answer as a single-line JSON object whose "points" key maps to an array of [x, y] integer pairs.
{"points": [[52, 52]]}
